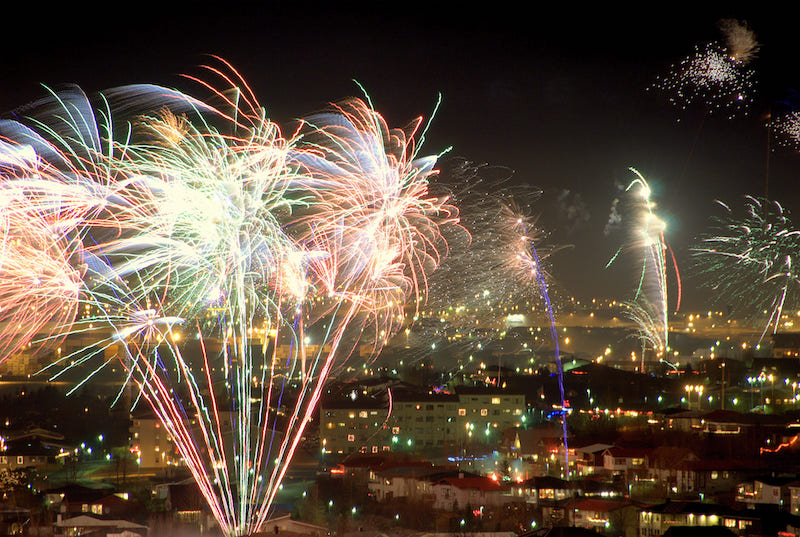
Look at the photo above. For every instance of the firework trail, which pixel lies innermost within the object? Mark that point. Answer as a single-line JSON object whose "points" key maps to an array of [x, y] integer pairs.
{"points": [[39, 286], [205, 224], [498, 270], [487, 274], [53, 174], [747, 258], [487, 267], [717, 75], [532, 260], [649, 308]]}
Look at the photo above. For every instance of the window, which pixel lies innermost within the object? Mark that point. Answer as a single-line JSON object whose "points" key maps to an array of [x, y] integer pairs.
{"points": [[97, 509], [484, 412], [495, 400], [21, 459], [462, 411], [351, 438], [362, 414], [374, 449], [395, 430]]}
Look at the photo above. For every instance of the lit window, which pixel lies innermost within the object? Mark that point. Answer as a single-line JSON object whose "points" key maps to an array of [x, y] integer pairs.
{"points": [[484, 412], [351, 438], [395, 430], [462, 411], [362, 414], [495, 400]]}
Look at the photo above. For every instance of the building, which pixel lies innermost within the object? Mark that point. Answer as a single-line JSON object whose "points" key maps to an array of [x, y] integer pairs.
{"points": [[409, 421], [654, 521], [452, 494], [150, 442], [786, 345], [613, 517]]}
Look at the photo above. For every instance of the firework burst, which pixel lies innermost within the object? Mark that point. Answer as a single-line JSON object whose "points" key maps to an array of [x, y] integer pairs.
{"points": [[748, 259], [207, 225], [717, 76]]}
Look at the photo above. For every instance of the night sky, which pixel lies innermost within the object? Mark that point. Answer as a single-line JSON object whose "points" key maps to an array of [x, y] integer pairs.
{"points": [[559, 98]]}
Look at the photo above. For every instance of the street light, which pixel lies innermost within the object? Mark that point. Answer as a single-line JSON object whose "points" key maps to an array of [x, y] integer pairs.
{"points": [[696, 388]]}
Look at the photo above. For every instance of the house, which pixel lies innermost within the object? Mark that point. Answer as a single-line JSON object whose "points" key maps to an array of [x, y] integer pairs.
{"points": [[589, 459], [765, 491], [713, 476], [626, 462], [655, 520], [665, 463], [543, 489], [451, 494], [793, 490], [85, 524], [613, 517], [32, 448], [404, 481], [185, 502], [74, 500], [284, 525]]}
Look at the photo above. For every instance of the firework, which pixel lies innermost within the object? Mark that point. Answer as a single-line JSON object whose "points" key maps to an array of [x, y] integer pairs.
{"points": [[488, 269], [716, 75], [648, 308], [785, 127], [740, 40], [228, 268], [487, 279], [747, 258], [39, 285]]}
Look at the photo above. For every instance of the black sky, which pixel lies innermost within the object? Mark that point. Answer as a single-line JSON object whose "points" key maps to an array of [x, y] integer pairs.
{"points": [[557, 97]]}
